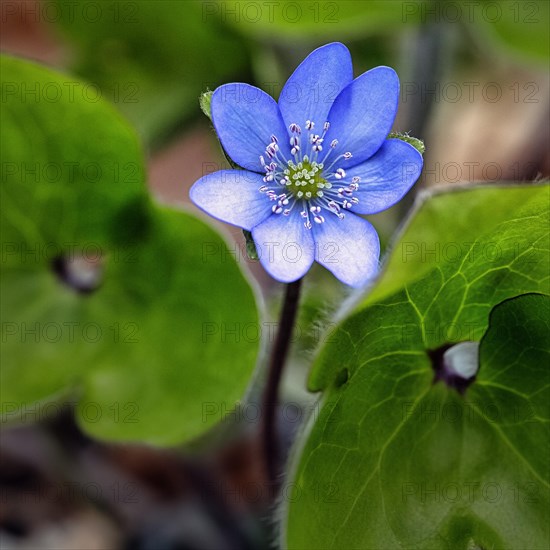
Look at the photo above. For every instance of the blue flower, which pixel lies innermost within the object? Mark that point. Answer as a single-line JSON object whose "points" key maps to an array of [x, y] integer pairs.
{"points": [[311, 163]]}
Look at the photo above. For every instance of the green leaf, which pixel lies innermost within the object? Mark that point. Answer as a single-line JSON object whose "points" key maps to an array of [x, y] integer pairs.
{"points": [[156, 349], [393, 460], [517, 338], [155, 354], [65, 151]]}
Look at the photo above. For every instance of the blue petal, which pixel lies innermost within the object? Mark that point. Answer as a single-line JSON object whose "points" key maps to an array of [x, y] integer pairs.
{"points": [[349, 248], [386, 176], [363, 114], [285, 246], [312, 88], [232, 196], [245, 118]]}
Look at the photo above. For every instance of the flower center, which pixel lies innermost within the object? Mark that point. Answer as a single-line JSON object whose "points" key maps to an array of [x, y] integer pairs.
{"points": [[305, 179], [308, 179]]}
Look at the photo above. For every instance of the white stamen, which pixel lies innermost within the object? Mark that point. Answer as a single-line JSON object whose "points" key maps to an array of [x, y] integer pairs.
{"points": [[340, 174]]}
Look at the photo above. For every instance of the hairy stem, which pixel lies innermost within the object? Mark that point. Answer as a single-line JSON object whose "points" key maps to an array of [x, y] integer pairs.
{"points": [[269, 437]]}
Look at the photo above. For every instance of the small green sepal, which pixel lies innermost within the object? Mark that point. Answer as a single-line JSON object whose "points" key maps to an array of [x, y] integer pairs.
{"points": [[205, 101], [418, 144]]}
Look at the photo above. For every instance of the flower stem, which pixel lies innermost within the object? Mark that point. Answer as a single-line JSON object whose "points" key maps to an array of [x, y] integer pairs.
{"points": [[269, 436]]}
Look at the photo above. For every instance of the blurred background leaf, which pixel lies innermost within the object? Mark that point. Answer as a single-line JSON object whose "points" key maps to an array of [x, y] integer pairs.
{"points": [[152, 58], [105, 296], [306, 21], [520, 28], [72, 167]]}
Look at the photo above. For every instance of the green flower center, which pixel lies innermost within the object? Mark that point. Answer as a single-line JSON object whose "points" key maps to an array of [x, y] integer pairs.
{"points": [[305, 180]]}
